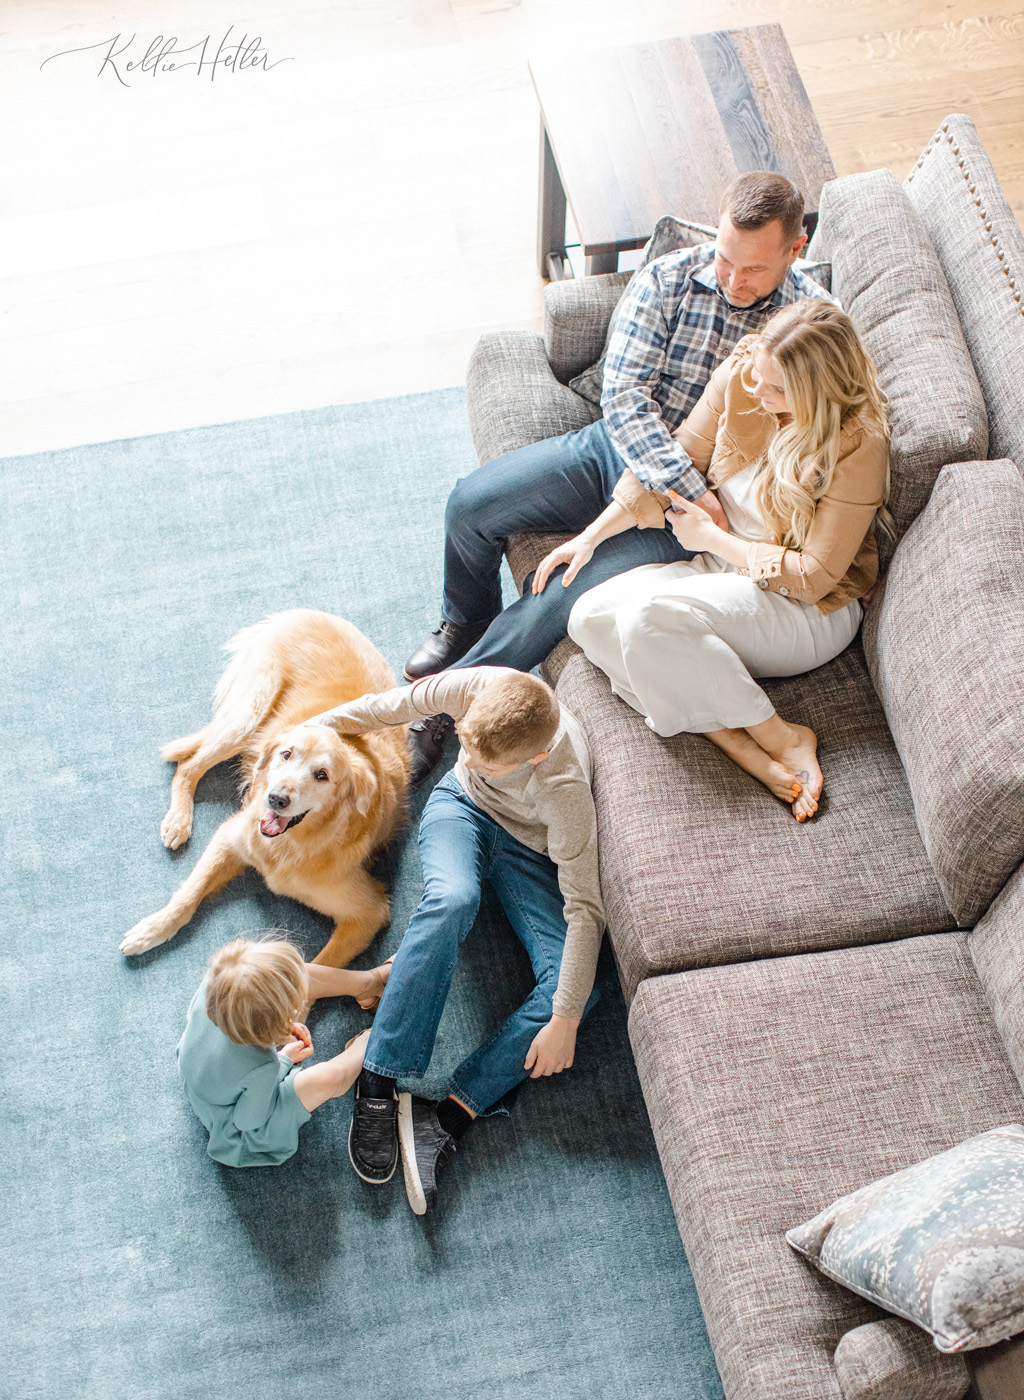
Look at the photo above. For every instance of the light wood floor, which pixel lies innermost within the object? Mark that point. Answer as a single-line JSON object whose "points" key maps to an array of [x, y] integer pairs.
{"points": [[178, 251]]}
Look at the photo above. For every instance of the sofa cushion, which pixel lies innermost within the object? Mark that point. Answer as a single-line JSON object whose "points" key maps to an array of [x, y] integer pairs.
{"points": [[513, 399], [997, 947], [940, 1243], [888, 277], [701, 865], [775, 1085], [955, 191], [893, 1360], [945, 643], [577, 313]]}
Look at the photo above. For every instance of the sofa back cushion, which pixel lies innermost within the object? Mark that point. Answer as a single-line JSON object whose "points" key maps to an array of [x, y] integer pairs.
{"points": [[577, 314], [958, 198], [945, 648], [888, 277]]}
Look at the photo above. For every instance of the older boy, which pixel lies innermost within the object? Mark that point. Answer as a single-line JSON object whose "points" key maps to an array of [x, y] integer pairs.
{"points": [[516, 811]]}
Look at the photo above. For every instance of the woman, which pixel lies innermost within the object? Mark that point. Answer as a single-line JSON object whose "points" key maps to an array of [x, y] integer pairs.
{"points": [[791, 432]]}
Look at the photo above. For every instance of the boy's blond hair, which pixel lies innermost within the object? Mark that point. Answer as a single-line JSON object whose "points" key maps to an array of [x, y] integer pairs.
{"points": [[255, 990], [511, 720]]}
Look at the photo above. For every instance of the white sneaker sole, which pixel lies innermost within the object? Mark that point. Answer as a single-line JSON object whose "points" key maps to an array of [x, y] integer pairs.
{"points": [[407, 1142]]}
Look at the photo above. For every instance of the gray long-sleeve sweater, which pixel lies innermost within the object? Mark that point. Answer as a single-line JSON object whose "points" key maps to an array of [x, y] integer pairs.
{"points": [[548, 807]]}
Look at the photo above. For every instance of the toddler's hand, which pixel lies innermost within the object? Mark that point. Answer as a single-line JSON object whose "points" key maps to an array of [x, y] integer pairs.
{"points": [[301, 1046]]}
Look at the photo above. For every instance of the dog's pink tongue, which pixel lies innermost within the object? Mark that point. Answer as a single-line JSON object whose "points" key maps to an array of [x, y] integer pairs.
{"points": [[273, 823]]}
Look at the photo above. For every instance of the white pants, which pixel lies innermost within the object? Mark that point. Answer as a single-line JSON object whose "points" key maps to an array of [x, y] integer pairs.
{"points": [[682, 642]]}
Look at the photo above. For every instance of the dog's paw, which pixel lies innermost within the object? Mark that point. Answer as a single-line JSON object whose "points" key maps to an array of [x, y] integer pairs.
{"points": [[176, 828], [146, 934]]}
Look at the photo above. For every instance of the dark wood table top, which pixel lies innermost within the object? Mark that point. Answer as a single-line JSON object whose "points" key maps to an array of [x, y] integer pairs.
{"points": [[663, 127]]}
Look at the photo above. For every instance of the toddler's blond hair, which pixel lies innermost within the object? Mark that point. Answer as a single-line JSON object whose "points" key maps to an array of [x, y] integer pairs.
{"points": [[511, 720], [255, 989]]}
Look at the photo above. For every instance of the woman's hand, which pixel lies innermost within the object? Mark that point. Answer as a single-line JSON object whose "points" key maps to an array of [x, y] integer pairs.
{"points": [[575, 552], [693, 526]]}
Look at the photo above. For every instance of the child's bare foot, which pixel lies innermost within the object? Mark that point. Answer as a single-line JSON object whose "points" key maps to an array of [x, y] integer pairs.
{"points": [[369, 1000], [798, 753], [751, 757]]}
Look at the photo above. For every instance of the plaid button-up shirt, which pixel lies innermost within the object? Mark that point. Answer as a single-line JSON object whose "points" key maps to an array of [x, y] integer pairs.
{"points": [[672, 329]]}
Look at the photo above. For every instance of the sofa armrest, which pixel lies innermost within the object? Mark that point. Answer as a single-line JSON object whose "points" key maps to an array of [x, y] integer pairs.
{"points": [[889, 1358], [512, 397], [577, 314]]}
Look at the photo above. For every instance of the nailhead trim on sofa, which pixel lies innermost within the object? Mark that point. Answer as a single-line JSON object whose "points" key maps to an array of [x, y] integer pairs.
{"points": [[945, 134]]}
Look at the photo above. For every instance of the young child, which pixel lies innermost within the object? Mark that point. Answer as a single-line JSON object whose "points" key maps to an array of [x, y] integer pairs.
{"points": [[516, 811], [251, 1096]]}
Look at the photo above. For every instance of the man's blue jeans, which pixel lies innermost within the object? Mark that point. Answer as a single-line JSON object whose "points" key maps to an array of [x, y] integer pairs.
{"points": [[460, 847], [561, 484]]}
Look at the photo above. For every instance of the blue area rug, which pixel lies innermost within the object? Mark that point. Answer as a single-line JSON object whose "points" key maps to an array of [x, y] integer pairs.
{"points": [[133, 1266]]}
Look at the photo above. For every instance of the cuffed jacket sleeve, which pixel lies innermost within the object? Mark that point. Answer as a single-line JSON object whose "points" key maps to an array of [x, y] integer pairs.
{"points": [[839, 556], [646, 507]]}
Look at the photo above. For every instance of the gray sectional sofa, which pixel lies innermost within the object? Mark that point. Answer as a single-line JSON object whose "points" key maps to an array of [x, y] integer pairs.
{"points": [[813, 1007]]}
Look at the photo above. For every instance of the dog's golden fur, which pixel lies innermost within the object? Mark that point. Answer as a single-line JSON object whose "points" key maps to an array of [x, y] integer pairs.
{"points": [[348, 794]]}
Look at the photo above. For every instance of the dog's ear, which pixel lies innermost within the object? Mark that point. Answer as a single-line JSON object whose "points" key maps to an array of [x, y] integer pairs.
{"points": [[364, 785], [262, 764]]}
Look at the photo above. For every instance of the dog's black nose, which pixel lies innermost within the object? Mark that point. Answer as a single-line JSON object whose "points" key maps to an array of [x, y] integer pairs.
{"points": [[278, 800]]}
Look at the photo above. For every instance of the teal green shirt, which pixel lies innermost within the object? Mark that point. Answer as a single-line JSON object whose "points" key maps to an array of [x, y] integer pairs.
{"points": [[244, 1094]]}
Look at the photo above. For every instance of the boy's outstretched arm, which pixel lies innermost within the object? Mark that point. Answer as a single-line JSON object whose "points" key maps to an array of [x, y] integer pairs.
{"points": [[449, 693]]}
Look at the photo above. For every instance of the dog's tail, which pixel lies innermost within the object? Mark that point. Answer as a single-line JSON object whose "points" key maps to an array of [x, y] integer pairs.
{"points": [[251, 684]]}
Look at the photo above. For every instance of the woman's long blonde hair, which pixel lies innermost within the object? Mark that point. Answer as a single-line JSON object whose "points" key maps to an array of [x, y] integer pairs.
{"points": [[830, 384]]}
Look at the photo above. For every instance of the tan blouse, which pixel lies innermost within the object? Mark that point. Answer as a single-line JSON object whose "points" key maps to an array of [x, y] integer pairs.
{"points": [[726, 431]]}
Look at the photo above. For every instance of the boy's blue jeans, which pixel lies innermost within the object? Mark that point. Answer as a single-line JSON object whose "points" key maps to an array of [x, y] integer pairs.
{"points": [[460, 847]]}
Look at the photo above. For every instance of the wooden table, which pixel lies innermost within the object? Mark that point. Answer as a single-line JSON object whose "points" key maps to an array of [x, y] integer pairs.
{"points": [[629, 134]]}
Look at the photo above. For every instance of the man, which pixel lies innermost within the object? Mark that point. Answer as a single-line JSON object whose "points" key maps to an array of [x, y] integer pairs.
{"points": [[682, 315]]}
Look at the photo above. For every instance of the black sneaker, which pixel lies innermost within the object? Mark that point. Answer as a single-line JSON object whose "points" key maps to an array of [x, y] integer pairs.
{"points": [[426, 1147], [445, 645], [427, 738], [373, 1138]]}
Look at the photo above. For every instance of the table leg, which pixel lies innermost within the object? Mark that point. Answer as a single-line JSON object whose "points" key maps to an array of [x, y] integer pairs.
{"points": [[602, 262], [551, 209]]}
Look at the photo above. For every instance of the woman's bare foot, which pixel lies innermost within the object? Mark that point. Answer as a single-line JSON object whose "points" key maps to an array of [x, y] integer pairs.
{"points": [[369, 1000], [751, 757], [796, 748]]}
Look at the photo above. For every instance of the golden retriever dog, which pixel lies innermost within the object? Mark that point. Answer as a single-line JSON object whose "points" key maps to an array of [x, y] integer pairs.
{"points": [[317, 805]]}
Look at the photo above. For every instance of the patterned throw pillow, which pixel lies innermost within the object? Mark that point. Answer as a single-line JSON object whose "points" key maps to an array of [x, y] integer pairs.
{"points": [[671, 234], [941, 1243]]}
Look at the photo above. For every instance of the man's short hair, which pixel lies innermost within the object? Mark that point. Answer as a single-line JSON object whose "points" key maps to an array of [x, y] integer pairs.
{"points": [[511, 720], [757, 198]]}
